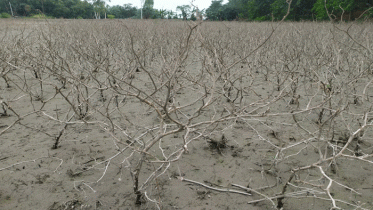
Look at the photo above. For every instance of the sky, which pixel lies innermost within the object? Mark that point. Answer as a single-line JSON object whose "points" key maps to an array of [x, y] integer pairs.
{"points": [[165, 4]]}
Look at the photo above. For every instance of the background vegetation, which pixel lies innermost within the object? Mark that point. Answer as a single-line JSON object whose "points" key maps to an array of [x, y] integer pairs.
{"points": [[257, 10]]}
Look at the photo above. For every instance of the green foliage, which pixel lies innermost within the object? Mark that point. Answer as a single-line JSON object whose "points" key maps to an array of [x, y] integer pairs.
{"points": [[241, 16], [54, 8], [85, 9], [260, 10], [5, 15], [279, 8], [155, 14], [61, 10], [299, 9], [185, 11], [229, 13], [170, 14], [40, 16], [125, 11], [99, 8], [214, 12], [110, 16], [193, 17], [147, 10], [240, 7], [335, 8], [162, 13], [263, 18], [149, 3]]}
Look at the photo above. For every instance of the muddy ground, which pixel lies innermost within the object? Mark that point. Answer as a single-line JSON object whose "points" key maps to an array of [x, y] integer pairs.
{"points": [[291, 103]]}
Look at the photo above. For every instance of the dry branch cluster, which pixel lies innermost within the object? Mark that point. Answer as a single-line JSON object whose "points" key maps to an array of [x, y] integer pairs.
{"points": [[299, 93]]}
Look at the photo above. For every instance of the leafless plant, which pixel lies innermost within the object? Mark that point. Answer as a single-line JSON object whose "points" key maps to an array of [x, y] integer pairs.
{"points": [[295, 96]]}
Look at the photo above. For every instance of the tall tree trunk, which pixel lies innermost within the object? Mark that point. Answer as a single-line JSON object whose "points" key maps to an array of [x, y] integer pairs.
{"points": [[11, 10]]}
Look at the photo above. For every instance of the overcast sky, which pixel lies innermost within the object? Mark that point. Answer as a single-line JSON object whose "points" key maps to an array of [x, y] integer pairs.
{"points": [[165, 4]]}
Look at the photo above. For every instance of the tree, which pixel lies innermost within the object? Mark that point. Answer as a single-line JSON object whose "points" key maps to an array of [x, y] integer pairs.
{"points": [[83, 9], [193, 17], [229, 12], [162, 13], [340, 9], [99, 7], [214, 12], [147, 11], [27, 9], [259, 9], [142, 6], [149, 3], [185, 11], [125, 11], [322, 8], [60, 10], [300, 9], [170, 14]]}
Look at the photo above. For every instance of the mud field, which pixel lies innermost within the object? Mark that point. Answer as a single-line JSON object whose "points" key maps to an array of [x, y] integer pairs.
{"points": [[185, 115]]}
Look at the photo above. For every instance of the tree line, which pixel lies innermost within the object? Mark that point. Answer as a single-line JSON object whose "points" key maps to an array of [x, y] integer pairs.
{"points": [[258, 10], [81, 9], [300, 9]]}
